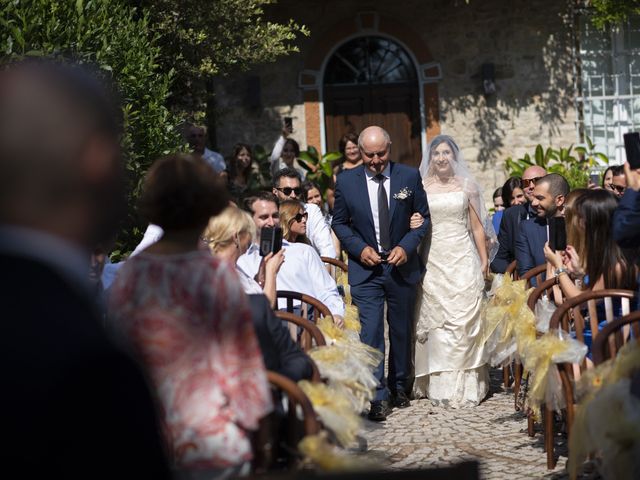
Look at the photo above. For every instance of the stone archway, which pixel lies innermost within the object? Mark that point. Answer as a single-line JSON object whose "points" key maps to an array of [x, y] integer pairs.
{"points": [[371, 24]]}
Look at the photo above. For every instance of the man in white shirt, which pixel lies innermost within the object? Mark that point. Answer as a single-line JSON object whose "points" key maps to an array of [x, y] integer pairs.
{"points": [[302, 271], [197, 138], [287, 185]]}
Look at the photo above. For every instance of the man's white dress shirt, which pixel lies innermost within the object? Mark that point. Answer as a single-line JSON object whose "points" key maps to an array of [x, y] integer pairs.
{"points": [[319, 232], [302, 271], [372, 187]]}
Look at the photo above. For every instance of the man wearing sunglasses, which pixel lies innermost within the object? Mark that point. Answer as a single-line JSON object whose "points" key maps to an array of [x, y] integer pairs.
{"points": [[373, 205], [618, 183], [511, 219], [287, 185]]}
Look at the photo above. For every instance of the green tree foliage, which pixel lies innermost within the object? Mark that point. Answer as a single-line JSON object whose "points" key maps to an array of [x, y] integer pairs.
{"points": [[116, 38], [606, 13], [573, 163], [206, 38]]}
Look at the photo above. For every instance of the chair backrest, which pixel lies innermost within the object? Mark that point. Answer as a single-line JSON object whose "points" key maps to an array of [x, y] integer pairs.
{"points": [[570, 318], [613, 336], [295, 394], [512, 270], [545, 288], [334, 266], [536, 273], [313, 333], [319, 308]]}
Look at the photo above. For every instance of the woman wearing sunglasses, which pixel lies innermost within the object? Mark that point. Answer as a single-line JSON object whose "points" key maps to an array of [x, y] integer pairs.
{"points": [[293, 220]]}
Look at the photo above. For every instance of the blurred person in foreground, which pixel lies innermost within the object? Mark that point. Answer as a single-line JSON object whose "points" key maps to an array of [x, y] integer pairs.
{"points": [[74, 405], [229, 236], [513, 217], [184, 314]]}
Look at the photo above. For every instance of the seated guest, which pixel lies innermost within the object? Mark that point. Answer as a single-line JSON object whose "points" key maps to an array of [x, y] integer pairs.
{"points": [[184, 314], [549, 196], [311, 194], [511, 219], [618, 183], [626, 219], [229, 236], [287, 185], [592, 255], [512, 193], [303, 271], [498, 208], [293, 220]]}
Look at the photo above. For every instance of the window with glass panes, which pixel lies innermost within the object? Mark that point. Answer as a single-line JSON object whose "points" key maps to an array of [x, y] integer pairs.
{"points": [[610, 84]]}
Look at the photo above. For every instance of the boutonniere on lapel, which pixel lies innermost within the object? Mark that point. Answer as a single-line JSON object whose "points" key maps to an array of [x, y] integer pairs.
{"points": [[403, 194]]}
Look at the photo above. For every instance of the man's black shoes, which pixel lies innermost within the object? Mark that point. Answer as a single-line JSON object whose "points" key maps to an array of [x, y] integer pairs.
{"points": [[379, 411], [400, 400]]}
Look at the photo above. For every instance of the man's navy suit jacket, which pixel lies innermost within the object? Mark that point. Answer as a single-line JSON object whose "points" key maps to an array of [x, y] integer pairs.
{"points": [[530, 244], [353, 220]]}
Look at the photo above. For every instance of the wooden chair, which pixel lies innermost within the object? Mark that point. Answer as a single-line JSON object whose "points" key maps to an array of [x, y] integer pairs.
{"points": [[335, 265], [312, 334], [537, 274], [512, 270], [310, 423], [613, 336], [513, 273], [319, 308], [569, 317]]}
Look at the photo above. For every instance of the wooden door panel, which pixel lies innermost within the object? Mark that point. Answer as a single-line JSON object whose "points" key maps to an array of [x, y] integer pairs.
{"points": [[393, 107]]}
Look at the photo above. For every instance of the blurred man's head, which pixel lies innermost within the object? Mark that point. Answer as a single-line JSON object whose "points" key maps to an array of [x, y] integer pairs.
{"points": [[529, 178], [60, 163], [549, 195], [197, 138], [264, 211], [287, 184]]}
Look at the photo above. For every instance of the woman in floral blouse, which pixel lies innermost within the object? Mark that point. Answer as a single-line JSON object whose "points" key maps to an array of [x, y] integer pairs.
{"points": [[186, 317]]}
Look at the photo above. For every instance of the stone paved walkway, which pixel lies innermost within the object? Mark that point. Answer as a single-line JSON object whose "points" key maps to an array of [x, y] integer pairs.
{"points": [[492, 433]]}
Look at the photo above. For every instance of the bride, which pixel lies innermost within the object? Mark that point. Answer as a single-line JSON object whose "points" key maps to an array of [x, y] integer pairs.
{"points": [[448, 362]]}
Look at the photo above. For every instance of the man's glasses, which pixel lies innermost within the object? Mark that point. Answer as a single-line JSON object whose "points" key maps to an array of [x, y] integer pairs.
{"points": [[617, 188], [287, 190], [379, 154], [300, 216], [529, 181]]}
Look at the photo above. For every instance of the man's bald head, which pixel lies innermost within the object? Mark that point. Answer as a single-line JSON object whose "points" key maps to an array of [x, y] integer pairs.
{"points": [[58, 150], [374, 143], [529, 178]]}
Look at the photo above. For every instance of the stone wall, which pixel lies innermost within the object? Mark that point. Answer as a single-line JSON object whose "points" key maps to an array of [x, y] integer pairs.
{"points": [[528, 41]]}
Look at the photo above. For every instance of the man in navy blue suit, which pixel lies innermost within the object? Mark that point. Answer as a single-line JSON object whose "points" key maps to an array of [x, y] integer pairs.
{"points": [[373, 205], [548, 201], [626, 218]]}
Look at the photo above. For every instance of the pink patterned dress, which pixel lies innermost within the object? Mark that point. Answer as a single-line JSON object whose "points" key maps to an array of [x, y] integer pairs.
{"points": [[186, 317]]}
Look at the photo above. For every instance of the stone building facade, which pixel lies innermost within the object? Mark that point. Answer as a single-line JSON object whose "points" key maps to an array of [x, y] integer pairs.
{"points": [[525, 48]]}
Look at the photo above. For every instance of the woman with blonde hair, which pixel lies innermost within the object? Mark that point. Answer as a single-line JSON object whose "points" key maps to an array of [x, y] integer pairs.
{"points": [[229, 236], [293, 220]]}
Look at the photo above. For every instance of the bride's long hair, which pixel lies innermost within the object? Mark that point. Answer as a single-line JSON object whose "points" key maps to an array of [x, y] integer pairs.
{"points": [[460, 180]]}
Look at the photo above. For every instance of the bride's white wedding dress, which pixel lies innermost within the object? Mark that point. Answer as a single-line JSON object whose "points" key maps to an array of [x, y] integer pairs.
{"points": [[448, 362]]}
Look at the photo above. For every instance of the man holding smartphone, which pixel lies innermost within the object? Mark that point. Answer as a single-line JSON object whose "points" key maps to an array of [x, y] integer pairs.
{"points": [[548, 201], [302, 271]]}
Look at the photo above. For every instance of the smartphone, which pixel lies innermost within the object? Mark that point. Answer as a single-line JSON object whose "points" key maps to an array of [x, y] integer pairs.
{"points": [[270, 240], [632, 149], [557, 234], [594, 178], [288, 123]]}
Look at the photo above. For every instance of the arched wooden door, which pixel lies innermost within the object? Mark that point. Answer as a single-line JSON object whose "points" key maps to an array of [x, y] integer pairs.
{"points": [[372, 81]]}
